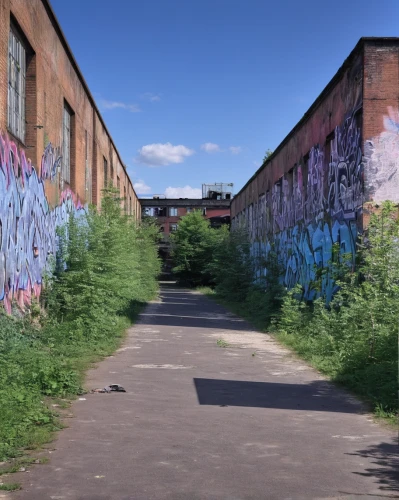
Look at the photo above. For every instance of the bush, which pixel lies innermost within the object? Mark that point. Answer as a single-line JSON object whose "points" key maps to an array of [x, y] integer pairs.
{"points": [[355, 338], [193, 247], [106, 267]]}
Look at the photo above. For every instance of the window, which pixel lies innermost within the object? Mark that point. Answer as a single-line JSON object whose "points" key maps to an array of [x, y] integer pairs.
{"points": [[125, 198], [118, 183], [204, 211], [172, 227], [16, 85], [87, 170], [189, 209], [66, 145], [172, 212], [105, 172]]}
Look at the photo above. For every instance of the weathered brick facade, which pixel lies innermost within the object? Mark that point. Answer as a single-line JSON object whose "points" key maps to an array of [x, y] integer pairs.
{"points": [[313, 192], [52, 156], [53, 78]]}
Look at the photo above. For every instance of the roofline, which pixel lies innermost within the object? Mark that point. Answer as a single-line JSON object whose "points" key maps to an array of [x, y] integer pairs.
{"points": [[184, 201], [334, 80], [68, 50]]}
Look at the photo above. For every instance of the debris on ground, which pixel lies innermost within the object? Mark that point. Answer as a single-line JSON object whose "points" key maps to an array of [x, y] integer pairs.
{"points": [[110, 388]]}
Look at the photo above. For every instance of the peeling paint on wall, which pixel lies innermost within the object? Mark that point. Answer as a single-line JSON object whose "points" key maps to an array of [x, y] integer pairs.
{"points": [[27, 223], [382, 160]]}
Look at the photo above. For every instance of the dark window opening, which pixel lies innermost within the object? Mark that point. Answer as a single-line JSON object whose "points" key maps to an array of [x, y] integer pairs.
{"points": [[68, 145], [105, 172]]}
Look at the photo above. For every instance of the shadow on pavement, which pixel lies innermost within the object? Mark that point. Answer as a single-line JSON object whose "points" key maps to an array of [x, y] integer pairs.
{"points": [[315, 396], [182, 308], [386, 458]]}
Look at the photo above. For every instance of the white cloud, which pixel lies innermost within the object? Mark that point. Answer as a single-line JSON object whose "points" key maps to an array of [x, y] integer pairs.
{"points": [[106, 105], [141, 187], [149, 96], [183, 192], [163, 154], [210, 147], [236, 150]]}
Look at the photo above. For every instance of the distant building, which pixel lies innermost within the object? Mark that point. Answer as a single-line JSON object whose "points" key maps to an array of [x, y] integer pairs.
{"points": [[214, 205]]}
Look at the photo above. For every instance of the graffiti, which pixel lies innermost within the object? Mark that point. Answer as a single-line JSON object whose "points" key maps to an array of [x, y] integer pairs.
{"points": [[51, 161], [382, 159], [345, 180], [313, 208], [27, 223]]}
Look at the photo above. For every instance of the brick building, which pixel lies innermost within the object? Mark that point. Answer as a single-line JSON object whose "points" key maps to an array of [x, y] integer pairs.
{"points": [[316, 189], [55, 150], [214, 205]]}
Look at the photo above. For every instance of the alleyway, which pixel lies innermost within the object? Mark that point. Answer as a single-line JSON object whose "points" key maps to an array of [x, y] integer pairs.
{"points": [[213, 410]]}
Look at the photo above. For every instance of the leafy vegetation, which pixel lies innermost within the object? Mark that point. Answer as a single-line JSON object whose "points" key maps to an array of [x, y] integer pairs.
{"points": [[10, 487], [222, 343], [106, 269], [193, 245], [353, 339], [268, 154]]}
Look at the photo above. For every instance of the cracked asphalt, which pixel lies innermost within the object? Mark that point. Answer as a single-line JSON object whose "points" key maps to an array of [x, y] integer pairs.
{"points": [[199, 421]]}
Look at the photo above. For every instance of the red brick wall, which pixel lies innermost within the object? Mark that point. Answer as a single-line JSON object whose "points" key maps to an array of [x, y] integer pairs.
{"points": [[217, 212], [53, 80], [313, 130]]}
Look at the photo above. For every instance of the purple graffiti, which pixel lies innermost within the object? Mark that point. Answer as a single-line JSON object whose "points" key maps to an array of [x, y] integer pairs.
{"points": [[51, 161], [27, 223], [312, 208]]}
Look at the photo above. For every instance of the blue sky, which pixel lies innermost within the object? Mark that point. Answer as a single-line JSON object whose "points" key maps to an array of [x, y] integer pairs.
{"points": [[195, 91]]}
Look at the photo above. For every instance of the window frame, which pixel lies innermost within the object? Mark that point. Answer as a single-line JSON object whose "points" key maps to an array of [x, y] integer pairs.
{"points": [[16, 98], [105, 172], [66, 143]]}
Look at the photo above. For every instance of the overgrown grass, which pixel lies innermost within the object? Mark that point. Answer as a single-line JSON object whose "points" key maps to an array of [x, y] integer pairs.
{"points": [[10, 487], [107, 269]]}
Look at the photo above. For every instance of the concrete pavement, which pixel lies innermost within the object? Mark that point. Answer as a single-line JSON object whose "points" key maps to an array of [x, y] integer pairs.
{"points": [[199, 421]]}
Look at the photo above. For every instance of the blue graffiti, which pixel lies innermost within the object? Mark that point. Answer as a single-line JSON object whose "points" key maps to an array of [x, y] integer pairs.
{"points": [[28, 225], [301, 224]]}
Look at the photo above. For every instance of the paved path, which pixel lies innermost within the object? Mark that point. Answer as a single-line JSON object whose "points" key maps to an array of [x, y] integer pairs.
{"points": [[200, 421]]}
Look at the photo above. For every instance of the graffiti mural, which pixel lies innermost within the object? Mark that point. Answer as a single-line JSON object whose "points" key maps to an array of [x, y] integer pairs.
{"points": [[27, 223], [313, 208]]}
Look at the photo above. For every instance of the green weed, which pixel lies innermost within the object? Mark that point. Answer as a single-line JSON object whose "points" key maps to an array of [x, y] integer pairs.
{"points": [[354, 339], [222, 343], [10, 486], [105, 271]]}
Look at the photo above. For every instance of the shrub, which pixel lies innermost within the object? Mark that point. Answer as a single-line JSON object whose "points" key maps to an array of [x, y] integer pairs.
{"points": [[107, 265]]}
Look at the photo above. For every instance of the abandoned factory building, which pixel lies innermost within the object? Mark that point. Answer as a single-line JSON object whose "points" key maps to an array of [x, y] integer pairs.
{"points": [[317, 188], [56, 153]]}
